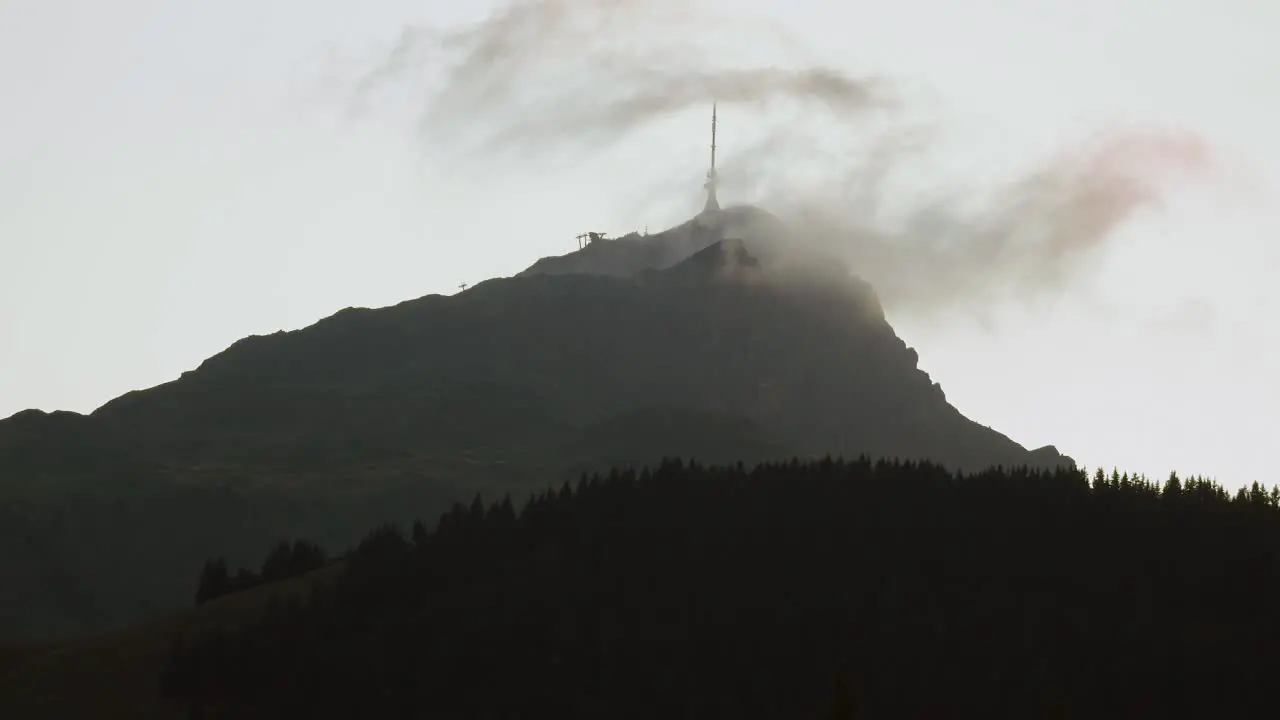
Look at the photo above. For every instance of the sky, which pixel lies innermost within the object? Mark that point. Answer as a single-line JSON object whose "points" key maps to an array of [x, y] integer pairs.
{"points": [[174, 177]]}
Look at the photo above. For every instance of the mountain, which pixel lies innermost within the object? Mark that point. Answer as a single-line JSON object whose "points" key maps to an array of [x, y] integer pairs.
{"points": [[513, 368], [631, 254], [710, 340]]}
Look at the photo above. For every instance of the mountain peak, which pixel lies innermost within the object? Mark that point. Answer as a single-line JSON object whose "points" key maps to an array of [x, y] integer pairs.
{"points": [[725, 260], [716, 339], [632, 254]]}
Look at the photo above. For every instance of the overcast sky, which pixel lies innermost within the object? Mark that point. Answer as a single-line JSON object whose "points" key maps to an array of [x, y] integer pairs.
{"points": [[175, 176]]}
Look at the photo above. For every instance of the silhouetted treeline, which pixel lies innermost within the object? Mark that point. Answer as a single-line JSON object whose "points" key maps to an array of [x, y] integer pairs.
{"points": [[285, 560], [828, 589]]}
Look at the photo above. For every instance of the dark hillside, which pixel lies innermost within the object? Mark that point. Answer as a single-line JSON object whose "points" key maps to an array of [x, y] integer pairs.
{"points": [[517, 363], [722, 592], [75, 563], [117, 674], [722, 350]]}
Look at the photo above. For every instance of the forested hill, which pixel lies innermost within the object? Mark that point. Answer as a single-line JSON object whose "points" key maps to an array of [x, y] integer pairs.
{"points": [[800, 590]]}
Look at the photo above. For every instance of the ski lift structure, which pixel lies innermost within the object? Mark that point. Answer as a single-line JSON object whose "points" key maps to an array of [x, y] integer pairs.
{"points": [[590, 238]]}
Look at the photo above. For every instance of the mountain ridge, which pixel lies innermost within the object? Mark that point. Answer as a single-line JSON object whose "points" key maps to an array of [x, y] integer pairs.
{"points": [[365, 352], [465, 341], [734, 352]]}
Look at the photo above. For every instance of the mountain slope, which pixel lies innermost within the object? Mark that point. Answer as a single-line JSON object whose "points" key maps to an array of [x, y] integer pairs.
{"points": [[116, 674], [731, 351], [515, 364]]}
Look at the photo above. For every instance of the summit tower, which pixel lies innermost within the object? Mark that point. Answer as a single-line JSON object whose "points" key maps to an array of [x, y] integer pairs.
{"points": [[713, 204]]}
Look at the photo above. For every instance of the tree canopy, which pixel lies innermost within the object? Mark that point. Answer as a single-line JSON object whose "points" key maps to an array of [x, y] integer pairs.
{"points": [[818, 589]]}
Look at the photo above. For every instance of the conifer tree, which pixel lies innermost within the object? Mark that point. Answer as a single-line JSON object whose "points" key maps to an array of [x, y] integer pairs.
{"points": [[215, 581]]}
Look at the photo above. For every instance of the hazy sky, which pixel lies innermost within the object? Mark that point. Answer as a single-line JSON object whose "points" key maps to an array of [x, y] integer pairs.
{"points": [[175, 176]]}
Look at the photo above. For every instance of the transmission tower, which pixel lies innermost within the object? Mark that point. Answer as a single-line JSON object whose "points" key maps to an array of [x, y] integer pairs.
{"points": [[713, 204]]}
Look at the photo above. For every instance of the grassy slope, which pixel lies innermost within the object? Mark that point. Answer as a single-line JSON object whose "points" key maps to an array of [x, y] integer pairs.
{"points": [[116, 674]]}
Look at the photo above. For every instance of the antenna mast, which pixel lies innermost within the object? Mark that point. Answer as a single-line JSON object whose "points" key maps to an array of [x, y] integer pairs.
{"points": [[713, 136], [712, 203]]}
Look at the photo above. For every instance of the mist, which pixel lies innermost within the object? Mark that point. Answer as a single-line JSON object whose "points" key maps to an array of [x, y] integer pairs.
{"points": [[846, 160]]}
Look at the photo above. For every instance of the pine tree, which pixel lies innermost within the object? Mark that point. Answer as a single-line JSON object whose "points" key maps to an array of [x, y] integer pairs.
{"points": [[215, 581], [276, 565], [244, 579]]}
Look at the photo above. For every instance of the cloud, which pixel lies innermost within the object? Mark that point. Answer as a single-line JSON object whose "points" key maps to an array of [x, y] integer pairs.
{"points": [[1189, 316], [1028, 239], [557, 80]]}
